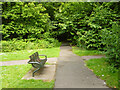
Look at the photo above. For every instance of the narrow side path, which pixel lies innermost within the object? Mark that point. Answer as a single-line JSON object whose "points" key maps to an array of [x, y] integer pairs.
{"points": [[19, 62], [72, 73]]}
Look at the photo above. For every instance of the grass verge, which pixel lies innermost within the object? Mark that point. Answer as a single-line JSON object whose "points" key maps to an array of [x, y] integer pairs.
{"points": [[84, 52], [11, 78], [104, 71], [24, 54]]}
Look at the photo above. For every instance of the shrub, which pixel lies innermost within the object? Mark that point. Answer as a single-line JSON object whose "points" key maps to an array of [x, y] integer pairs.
{"points": [[12, 45], [112, 40], [23, 22]]}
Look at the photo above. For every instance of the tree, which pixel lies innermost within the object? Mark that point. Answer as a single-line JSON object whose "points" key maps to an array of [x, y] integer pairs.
{"points": [[24, 20]]}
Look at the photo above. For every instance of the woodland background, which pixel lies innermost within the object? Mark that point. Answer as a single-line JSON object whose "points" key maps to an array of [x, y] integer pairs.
{"points": [[89, 25]]}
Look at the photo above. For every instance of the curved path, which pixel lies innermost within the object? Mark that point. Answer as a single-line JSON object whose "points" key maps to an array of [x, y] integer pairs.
{"points": [[72, 73]]}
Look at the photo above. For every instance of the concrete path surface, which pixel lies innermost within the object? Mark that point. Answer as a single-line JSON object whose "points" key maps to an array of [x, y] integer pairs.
{"points": [[19, 62], [72, 73], [46, 74], [91, 57]]}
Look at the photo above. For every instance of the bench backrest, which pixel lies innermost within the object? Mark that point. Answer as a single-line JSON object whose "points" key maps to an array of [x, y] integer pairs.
{"points": [[35, 57]]}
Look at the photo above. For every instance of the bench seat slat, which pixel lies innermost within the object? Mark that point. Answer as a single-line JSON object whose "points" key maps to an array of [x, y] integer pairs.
{"points": [[36, 61]]}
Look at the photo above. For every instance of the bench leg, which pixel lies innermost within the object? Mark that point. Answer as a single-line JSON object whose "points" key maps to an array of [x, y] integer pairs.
{"points": [[35, 71]]}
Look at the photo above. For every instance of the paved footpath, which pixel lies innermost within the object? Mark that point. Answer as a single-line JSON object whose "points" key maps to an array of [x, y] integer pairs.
{"points": [[19, 62], [72, 73]]}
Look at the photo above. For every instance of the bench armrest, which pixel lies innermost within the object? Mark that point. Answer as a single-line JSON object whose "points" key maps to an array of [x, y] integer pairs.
{"points": [[44, 55], [33, 62]]}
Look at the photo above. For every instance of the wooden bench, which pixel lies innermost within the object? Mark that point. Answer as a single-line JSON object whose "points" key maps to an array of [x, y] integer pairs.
{"points": [[36, 61]]}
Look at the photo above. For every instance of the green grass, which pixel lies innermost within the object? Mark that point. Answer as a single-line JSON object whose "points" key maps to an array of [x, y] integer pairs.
{"points": [[104, 71], [24, 54], [11, 78], [84, 52]]}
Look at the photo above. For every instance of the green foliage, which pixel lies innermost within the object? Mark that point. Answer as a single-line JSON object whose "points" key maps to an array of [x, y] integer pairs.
{"points": [[13, 45], [67, 19], [24, 20], [90, 35], [80, 23], [112, 41]]}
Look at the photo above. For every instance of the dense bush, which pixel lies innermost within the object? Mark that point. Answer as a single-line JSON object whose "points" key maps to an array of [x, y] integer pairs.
{"points": [[12, 45], [112, 41], [24, 20], [85, 24]]}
